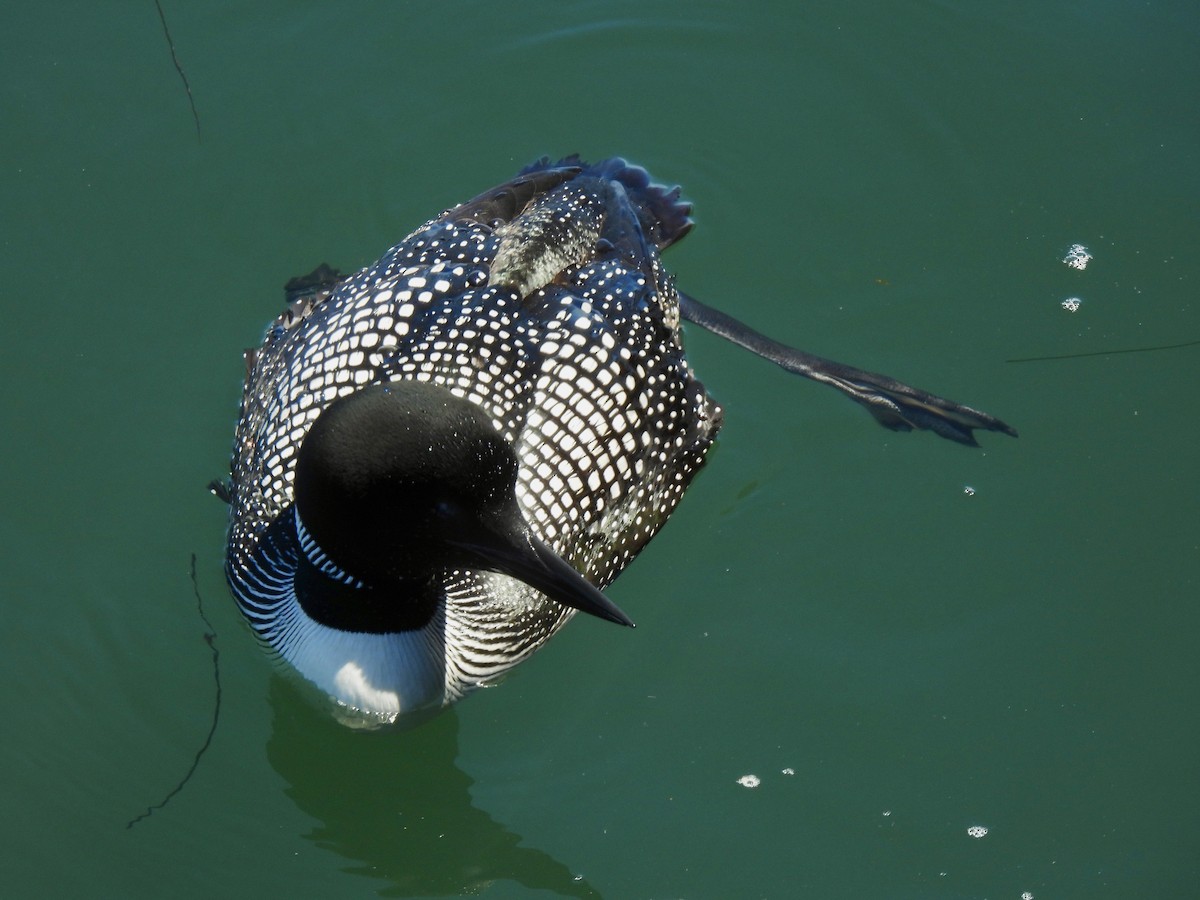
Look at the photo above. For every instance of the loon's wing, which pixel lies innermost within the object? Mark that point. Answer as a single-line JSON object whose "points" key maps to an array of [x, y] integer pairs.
{"points": [[894, 405]]}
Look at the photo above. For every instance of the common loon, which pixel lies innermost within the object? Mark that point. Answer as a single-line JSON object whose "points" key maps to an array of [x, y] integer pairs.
{"points": [[441, 458]]}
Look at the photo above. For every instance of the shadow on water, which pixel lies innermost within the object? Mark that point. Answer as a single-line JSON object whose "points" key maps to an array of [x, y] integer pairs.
{"points": [[398, 804]]}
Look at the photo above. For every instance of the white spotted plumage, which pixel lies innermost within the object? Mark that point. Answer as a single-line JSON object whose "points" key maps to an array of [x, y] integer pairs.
{"points": [[571, 346]]}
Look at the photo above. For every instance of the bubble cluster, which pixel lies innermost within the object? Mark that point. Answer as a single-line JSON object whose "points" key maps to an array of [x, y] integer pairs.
{"points": [[1071, 304], [749, 781], [977, 831], [1077, 257]]}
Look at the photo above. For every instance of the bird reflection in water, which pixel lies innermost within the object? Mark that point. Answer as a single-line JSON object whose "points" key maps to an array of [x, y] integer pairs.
{"points": [[397, 805]]}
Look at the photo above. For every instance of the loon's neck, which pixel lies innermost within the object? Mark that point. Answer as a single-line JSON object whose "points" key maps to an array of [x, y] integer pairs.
{"points": [[403, 605]]}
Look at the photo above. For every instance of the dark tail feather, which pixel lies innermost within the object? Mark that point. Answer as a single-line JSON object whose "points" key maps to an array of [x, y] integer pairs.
{"points": [[894, 405], [663, 216]]}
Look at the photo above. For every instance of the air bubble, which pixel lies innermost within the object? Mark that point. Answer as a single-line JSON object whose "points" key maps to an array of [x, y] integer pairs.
{"points": [[1077, 257]]}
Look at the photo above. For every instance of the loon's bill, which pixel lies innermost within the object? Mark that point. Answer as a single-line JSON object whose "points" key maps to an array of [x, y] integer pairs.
{"points": [[529, 558]]}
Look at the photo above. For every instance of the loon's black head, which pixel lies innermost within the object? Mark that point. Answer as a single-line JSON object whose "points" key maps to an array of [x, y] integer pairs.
{"points": [[399, 483]]}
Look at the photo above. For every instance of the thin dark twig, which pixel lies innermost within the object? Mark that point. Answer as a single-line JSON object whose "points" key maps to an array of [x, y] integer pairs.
{"points": [[210, 638], [1106, 352], [179, 68]]}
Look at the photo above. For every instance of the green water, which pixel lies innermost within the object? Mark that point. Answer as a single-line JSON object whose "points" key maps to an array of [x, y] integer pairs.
{"points": [[894, 185]]}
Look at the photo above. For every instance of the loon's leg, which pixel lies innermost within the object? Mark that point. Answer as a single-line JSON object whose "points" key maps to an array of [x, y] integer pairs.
{"points": [[894, 405]]}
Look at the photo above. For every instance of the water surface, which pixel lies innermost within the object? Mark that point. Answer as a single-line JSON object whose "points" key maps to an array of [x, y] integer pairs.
{"points": [[895, 657]]}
